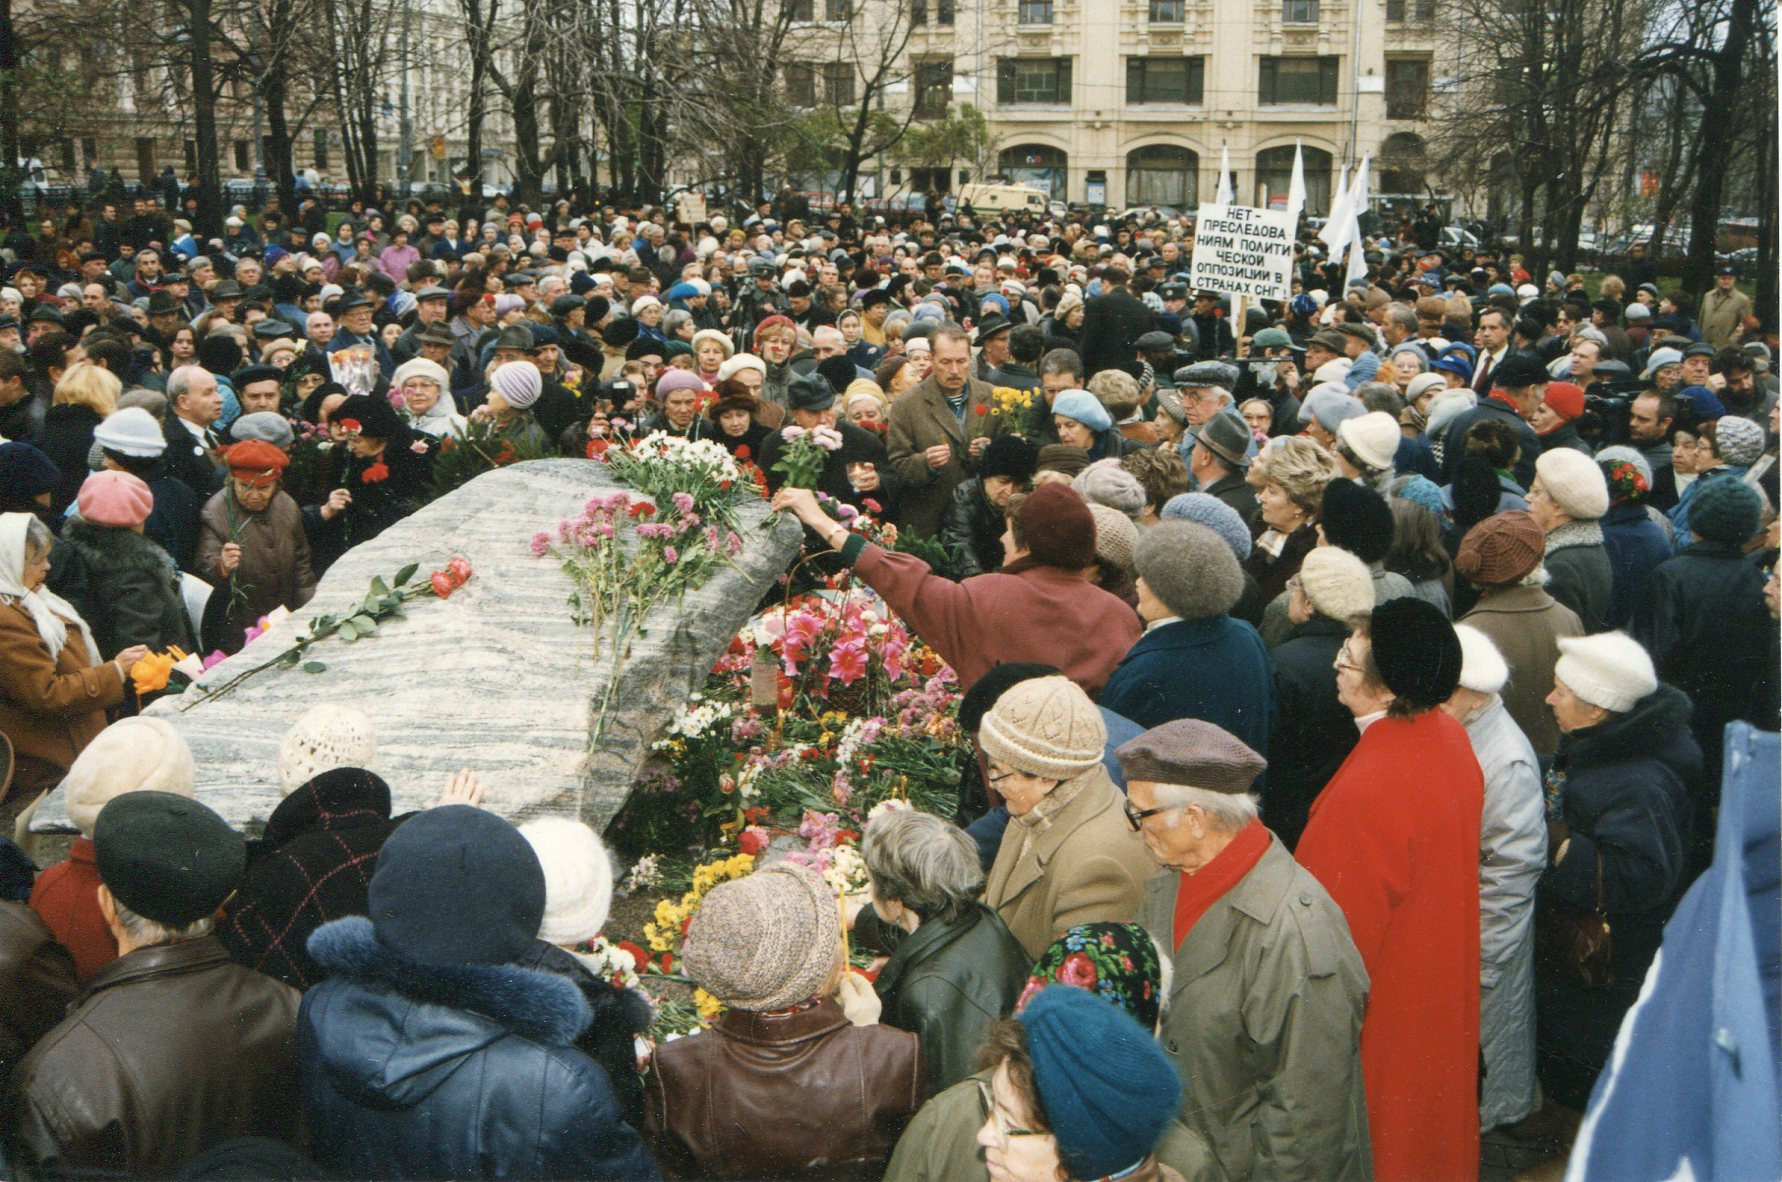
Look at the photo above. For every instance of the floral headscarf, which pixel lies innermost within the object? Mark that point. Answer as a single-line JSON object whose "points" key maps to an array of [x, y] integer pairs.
{"points": [[1119, 961]]}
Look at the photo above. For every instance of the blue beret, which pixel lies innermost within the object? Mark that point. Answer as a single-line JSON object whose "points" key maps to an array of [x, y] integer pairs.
{"points": [[1084, 407]]}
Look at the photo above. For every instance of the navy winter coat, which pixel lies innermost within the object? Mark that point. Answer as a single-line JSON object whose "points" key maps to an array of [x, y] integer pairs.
{"points": [[1214, 669], [466, 1071]]}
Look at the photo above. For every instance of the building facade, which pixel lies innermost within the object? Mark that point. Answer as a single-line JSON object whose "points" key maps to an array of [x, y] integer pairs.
{"points": [[1129, 102]]}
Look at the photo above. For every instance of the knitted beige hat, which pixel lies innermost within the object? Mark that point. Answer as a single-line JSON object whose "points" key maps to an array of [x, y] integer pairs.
{"points": [[326, 737], [1115, 536], [765, 942], [1574, 482], [578, 879], [133, 754], [1045, 726], [1337, 584]]}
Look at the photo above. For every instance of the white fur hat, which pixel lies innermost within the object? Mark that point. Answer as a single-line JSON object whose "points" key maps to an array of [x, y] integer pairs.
{"points": [[578, 879], [1482, 667], [1609, 669], [131, 755], [324, 738], [1574, 482]]}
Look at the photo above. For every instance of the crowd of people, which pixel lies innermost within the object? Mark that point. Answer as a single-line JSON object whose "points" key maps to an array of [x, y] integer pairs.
{"points": [[1338, 673]]}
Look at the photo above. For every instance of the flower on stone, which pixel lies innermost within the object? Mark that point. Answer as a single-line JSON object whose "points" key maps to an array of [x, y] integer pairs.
{"points": [[541, 544], [442, 584]]}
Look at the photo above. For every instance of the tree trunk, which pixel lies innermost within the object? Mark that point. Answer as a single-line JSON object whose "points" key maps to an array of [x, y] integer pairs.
{"points": [[9, 114], [1714, 146], [278, 140], [204, 121]]}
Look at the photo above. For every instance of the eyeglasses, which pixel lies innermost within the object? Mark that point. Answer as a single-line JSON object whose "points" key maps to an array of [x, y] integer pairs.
{"points": [[1136, 817], [1002, 1131]]}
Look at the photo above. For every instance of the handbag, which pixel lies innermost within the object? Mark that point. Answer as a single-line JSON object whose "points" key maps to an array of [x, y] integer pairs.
{"points": [[1576, 941]]}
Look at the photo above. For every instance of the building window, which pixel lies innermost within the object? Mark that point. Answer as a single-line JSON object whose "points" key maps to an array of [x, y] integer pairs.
{"points": [[1407, 87], [934, 88], [801, 84], [1168, 12], [1421, 11], [1274, 177], [840, 11], [1299, 12], [838, 83], [1033, 80], [1162, 174], [1285, 80], [89, 150], [1034, 12], [191, 157], [145, 158], [1042, 167], [802, 10], [1401, 166], [321, 149], [68, 158], [1165, 80], [242, 162], [943, 12]]}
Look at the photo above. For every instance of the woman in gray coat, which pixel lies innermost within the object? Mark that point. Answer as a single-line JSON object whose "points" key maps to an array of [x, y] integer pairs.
{"points": [[1512, 854]]}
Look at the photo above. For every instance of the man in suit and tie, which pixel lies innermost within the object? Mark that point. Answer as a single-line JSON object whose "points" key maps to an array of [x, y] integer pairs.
{"points": [[1493, 340], [196, 403], [937, 430]]}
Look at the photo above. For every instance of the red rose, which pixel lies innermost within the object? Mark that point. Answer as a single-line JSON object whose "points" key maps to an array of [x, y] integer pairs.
{"points": [[752, 840], [666, 964], [638, 954], [641, 509], [1077, 970], [375, 474], [459, 568], [442, 584]]}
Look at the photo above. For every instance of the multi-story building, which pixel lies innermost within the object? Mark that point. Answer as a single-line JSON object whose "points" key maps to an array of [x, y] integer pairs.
{"points": [[1130, 102]]}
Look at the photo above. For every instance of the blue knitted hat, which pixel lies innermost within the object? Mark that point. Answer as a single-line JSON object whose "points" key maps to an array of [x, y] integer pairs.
{"points": [[1725, 509], [1213, 513], [1107, 1088]]}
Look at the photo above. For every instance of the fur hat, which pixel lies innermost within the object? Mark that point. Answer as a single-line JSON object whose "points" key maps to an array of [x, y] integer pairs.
{"points": [[1609, 669], [1208, 510], [1336, 583], [1574, 482], [1115, 536], [1482, 667], [1373, 437], [133, 754], [1009, 456], [1357, 519], [1106, 482], [325, 737], [1190, 568], [578, 879], [1045, 726], [1057, 527], [1501, 549], [1725, 509], [767, 941], [1416, 651]]}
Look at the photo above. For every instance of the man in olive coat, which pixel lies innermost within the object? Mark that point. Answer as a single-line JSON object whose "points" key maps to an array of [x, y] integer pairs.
{"points": [[1266, 1002], [936, 431]]}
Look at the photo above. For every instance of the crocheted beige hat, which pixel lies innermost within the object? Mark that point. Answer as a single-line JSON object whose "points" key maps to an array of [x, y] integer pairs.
{"points": [[326, 737]]}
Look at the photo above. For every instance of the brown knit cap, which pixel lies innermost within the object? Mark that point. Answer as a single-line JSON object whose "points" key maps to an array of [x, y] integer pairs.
{"points": [[1193, 754], [765, 942], [1501, 549], [1058, 528]]}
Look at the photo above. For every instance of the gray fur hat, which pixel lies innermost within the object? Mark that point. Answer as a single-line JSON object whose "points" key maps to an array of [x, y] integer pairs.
{"points": [[1190, 568]]}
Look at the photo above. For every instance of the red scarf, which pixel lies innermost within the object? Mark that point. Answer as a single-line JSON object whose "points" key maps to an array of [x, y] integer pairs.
{"points": [[1197, 892], [1503, 397]]}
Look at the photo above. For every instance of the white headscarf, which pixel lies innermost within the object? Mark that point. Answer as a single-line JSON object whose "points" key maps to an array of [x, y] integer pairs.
{"points": [[48, 610]]}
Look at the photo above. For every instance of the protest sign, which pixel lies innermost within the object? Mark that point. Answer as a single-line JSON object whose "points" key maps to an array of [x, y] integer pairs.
{"points": [[1243, 251]]}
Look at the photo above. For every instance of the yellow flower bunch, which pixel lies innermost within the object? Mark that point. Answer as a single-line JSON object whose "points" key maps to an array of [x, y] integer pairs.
{"points": [[664, 934], [1009, 400], [151, 672], [708, 1006]]}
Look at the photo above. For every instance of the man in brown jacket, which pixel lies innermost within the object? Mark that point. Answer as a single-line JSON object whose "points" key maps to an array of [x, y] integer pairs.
{"points": [[173, 1048], [937, 430]]}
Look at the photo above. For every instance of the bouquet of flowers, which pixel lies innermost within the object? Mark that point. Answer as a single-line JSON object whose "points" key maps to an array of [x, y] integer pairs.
{"points": [[806, 454], [477, 447], [660, 465], [1008, 406]]}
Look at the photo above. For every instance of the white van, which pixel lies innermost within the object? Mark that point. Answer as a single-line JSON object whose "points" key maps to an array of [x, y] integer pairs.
{"points": [[998, 198]]}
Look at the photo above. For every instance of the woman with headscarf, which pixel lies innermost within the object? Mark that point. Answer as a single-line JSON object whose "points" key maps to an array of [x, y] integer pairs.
{"points": [[54, 690], [374, 476]]}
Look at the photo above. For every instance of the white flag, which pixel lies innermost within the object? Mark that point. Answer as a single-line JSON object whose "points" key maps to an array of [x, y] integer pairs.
{"points": [[1357, 205], [1225, 196], [1335, 233], [1296, 188]]}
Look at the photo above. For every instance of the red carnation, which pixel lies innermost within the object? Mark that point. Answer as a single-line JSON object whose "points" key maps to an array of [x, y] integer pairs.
{"points": [[666, 964], [982, 409], [743, 453], [641, 509], [752, 840], [597, 448], [375, 474]]}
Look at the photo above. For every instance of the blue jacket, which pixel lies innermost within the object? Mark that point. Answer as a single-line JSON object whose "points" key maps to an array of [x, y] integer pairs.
{"points": [[1214, 669], [1635, 545], [464, 1071]]}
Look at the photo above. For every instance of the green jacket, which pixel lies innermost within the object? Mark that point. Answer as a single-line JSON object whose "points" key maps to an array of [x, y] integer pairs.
{"points": [[941, 1143], [946, 983], [1264, 1023]]}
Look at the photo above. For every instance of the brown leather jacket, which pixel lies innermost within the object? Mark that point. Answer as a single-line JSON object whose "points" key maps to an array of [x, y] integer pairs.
{"points": [[36, 981], [800, 1094], [171, 1050]]}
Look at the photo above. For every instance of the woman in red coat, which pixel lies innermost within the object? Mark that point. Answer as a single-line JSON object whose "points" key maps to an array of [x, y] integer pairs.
{"points": [[1394, 838]]}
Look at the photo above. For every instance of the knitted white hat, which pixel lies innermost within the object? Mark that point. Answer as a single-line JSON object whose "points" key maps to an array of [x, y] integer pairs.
{"points": [[131, 755], [1574, 482], [1374, 437], [1336, 583], [1115, 536], [324, 738], [420, 367], [1045, 726], [1609, 669], [1482, 667], [578, 879], [519, 384], [131, 431]]}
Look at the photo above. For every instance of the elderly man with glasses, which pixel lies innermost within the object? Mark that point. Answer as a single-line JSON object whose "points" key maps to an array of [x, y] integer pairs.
{"points": [[1268, 991]]}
